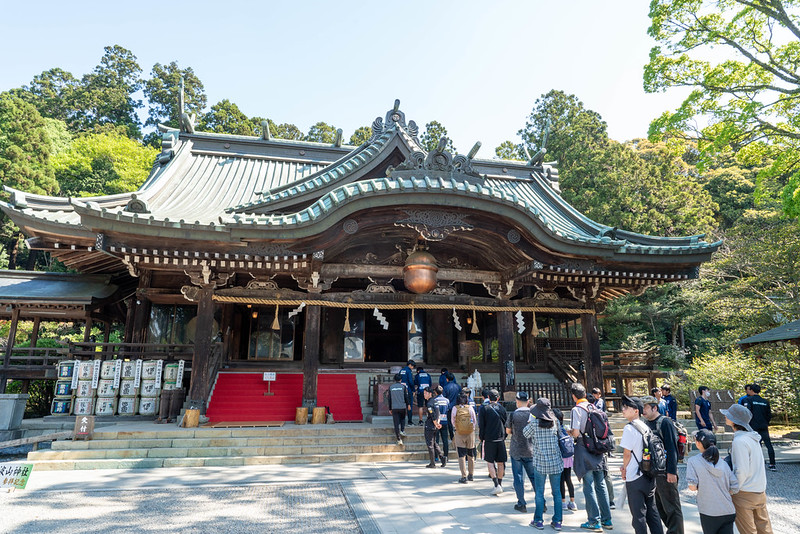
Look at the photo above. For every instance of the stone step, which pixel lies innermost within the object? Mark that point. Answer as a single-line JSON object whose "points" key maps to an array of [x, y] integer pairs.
{"points": [[222, 461]]}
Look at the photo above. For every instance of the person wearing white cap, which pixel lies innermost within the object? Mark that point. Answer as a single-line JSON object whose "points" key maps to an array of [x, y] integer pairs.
{"points": [[748, 466]]}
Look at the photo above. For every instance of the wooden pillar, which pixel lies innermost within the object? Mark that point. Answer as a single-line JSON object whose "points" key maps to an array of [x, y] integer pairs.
{"points": [[35, 333], [591, 351], [505, 342], [131, 304], [227, 331], [12, 335], [311, 356], [142, 310], [106, 331], [87, 329], [203, 346]]}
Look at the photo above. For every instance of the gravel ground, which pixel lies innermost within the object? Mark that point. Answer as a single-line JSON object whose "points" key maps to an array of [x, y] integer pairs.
{"points": [[306, 508], [783, 496]]}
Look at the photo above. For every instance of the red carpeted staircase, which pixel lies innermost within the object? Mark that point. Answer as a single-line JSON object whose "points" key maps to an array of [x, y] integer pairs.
{"points": [[240, 397]]}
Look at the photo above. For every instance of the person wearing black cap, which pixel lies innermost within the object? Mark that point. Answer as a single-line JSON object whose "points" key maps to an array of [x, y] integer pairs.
{"points": [[521, 450], [491, 431], [432, 425], [668, 497], [762, 415], [641, 488], [672, 402], [714, 483], [407, 374], [748, 466], [547, 462], [422, 380]]}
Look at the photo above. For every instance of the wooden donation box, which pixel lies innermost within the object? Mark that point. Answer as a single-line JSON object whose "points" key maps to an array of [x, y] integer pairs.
{"points": [[381, 399]]}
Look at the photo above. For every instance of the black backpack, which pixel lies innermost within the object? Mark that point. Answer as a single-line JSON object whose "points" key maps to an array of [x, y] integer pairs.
{"points": [[654, 457], [598, 438]]}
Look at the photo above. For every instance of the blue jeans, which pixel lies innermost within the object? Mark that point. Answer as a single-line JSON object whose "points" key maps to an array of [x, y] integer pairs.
{"points": [[555, 486], [594, 490], [519, 467]]}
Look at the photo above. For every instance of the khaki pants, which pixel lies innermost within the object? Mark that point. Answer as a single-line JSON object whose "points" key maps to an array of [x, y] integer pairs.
{"points": [[751, 513]]}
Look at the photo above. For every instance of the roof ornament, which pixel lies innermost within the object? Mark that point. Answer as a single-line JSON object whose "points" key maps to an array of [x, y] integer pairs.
{"points": [[338, 141], [137, 205], [169, 139], [538, 158], [393, 117], [265, 133], [186, 119]]}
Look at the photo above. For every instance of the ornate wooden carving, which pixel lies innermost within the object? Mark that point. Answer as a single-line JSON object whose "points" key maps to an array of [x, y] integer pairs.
{"points": [[434, 225]]}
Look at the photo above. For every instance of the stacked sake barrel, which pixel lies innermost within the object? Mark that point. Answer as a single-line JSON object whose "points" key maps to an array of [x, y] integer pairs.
{"points": [[128, 390], [88, 372], [151, 380], [62, 403], [106, 402]]}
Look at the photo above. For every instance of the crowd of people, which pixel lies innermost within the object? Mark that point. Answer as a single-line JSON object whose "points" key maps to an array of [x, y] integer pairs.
{"points": [[729, 491]]}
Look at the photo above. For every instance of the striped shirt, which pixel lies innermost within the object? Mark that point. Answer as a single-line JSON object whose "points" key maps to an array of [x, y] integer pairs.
{"points": [[546, 453]]}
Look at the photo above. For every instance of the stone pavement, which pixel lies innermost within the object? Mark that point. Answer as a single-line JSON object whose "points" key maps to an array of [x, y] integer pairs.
{"points": [[367, 497]]}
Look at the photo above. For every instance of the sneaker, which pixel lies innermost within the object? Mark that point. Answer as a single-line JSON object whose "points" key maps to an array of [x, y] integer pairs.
{"points": [[772, 467], [537, 525], [564, 506], [402, 434], [469, 477], [420, 423], [594, 527], [444, 461], [400, 442], [612, 505], [497, 490], [607, 525], [572, 506], [431, 465], [521, 508], [556, 525], [462, 480]]}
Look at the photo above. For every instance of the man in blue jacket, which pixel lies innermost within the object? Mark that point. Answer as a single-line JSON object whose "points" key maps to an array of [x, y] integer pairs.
{"points": [[407, 375], [422, 380], [451, 391], [672, 402]]}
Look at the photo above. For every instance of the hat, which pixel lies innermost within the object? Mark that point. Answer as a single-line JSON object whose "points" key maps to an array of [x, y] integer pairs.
{"points": [[648, 399], [739, 415], [543, 410], [522, 396], [633, 402], [706, 437], [494, 395]]}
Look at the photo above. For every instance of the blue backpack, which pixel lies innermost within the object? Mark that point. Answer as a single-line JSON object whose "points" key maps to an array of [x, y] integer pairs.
{"points": [[565, 443]]}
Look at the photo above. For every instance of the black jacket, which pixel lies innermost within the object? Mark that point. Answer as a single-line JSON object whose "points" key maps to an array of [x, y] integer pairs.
{"points": [[665, 429], [760, 410]]}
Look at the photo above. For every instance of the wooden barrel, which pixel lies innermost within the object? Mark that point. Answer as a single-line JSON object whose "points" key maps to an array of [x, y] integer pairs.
{"points": [[319, 416], [191, 418], [301, 416]]}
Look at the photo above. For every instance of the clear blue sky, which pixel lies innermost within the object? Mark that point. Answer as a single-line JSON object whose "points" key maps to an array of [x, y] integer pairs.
{"points": [[475, 66]]}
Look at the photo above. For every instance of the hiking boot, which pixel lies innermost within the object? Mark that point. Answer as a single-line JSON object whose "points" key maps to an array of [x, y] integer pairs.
{"points": [[537, 525], [772, 467], [572, 506], [593, 526], [521, 508], [469, 477], [607, 525], [462, 480], [556, 525]]}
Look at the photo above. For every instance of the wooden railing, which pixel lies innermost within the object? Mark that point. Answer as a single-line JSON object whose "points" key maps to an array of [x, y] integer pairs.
{"points": [[569, 349], [636, 360], [373, 381], [558, 394], [563, 370]]}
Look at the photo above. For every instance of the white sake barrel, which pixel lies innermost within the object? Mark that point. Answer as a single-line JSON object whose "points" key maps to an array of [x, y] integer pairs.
{"points": [[65, 369], [86, 370], [107, 369], [126, 388], [149, 388], [148, 406], [106, 406], [64, 388], [105, 388], [61, 406], [84, 406], [126, 406], [128, 369], [169, 384], [84, 389], [149, 369], [170, 372]]}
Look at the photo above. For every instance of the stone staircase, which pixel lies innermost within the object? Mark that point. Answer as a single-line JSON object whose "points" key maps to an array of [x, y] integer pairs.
{"points": [[178, 447]]}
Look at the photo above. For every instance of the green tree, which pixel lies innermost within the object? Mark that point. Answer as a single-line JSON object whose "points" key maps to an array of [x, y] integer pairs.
{"points": [[286, 131], [322, 132], [53, 93], [105, 95], [740, 58], [103, 164], [434, 131], [226, 117], [58, 135], [162, 92], [509, 151], [361, 135]]}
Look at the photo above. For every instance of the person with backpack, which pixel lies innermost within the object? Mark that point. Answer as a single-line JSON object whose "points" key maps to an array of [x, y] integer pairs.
{"points": [[547, 462], [399, 402], [593, 440], [407, 376], [465, 422], [640, 464], [668, 499], [451, 391], [443, 431], [714, 483], [567, 445], [422, 380], [762, 414], [491, 431], [521, 450], [748, 465]]}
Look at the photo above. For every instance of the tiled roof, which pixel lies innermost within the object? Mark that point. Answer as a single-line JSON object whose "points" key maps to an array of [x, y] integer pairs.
{"points": [[786, 332]]}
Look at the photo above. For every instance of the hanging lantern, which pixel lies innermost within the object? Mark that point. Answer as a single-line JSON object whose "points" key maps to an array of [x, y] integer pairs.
{"points": [[419, 273]]}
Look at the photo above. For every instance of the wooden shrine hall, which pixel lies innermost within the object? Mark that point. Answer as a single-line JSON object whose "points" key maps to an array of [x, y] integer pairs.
{"points": [[311, 259]]}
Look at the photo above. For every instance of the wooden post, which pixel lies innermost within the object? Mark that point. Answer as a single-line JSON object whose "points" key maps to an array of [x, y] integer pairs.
{"points": [[106, 331], [12, 335], [311, 356], [203, 345], [87, 329], [35, 333], [142, 315], [131, 305], [591, 351], [505, 342]]}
